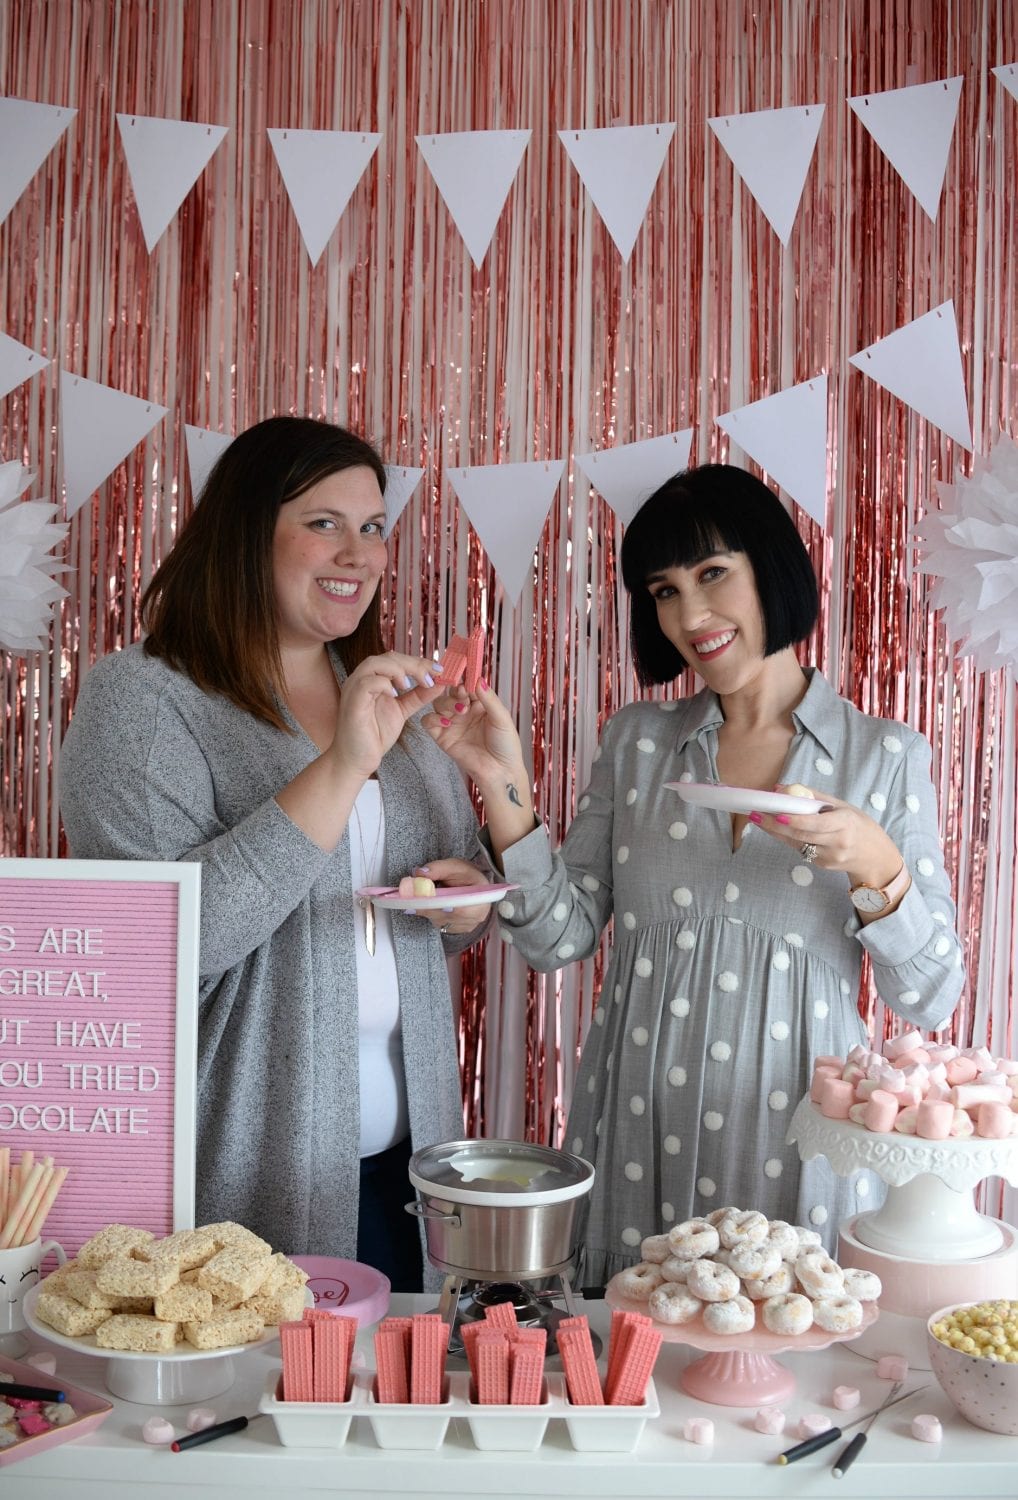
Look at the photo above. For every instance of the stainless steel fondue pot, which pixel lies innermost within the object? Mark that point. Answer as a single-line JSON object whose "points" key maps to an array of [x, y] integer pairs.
{"points": [[498, 1210]]}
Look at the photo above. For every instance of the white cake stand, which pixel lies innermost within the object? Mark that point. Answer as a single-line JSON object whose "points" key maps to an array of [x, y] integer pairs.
{"points": [[929, 1213], [739, 1369]]}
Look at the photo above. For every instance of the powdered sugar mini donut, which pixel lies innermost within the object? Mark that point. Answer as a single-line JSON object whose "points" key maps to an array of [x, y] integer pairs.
{"points": [[864, 1286], [674, 1269], [736, 1315], [711, 1282], [818, 1274], [743, 1228], [655, 1249], [837, 1314], [783, 1238], [792, 1314], [693, 1239], [777, 1285], [808, 1238], [755, 1262], [637, 1282], [717, 1214], [672, 1303]]}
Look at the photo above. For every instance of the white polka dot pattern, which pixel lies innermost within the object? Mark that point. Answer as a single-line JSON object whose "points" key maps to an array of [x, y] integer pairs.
{"points": [[583, 804], [942, 947], [591, 1084], [631, 796], [631, 1236], [802, 875], [668, 1212], [686, 776], [821, 1010], [862, 1188], [731, 892], [677, 1077], [644, 968], [634, 1171], [728, 981], [559, 912], [637, 1105], [772, 1167], [824, 766], [780, 961], [565, 950], [779, 1030], [892, 744], [794, 939], [599, 1016], [577, 1146], [641, 1036], [720, 1051], [686, 939], [908, 997], [777, 1099], [818, 1215], [678, 830], [629, 921], [706, 1187], [878, 801], [682, 896], [591, 883], [622, 854], [506, 909], [679, 1006], [912, 803], [646, 747], [713, 1120], [672, 1145], [506, 935], [925, 867]]}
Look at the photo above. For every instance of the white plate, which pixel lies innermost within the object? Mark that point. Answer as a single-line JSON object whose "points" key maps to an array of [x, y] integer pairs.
{"points": [[743, 799], [445, 896], [86, 1344]]}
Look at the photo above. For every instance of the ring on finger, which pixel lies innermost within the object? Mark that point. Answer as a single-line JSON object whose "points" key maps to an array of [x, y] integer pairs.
{"points": [[444, 929], [808, 852]]}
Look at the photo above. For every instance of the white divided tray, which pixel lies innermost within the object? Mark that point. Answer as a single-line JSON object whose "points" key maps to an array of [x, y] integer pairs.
{"points": [[515, 1429]]}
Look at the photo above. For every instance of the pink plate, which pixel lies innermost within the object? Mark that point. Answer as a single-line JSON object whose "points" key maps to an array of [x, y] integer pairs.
{"points": [[346, 1286], [446, 895], [91, 1410]]}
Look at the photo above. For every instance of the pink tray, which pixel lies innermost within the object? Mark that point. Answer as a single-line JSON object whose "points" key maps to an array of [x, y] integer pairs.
{"points": [[91, 1411], [346, 1286]]}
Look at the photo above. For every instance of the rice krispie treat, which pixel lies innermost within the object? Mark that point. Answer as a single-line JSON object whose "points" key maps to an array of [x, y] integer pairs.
{"points": [[67, 1316], [282, 1273], [183, 1303], [234, 1274], [80, 1285], [188, 1247], [224, 1329], [229, 1233], [284, 1305], [137, 1332], [115, 1239], [126, 1277]]}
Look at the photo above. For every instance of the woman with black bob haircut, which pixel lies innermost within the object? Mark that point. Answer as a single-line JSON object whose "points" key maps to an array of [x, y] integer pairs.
{"points": [[738, 929], [263, 730], [716, 507]]}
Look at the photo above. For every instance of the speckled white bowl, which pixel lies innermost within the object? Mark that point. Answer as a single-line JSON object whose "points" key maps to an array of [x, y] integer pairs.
{"points": [[985, 1391]]}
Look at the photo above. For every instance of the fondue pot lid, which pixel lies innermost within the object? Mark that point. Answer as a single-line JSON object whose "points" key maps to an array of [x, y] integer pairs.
{"points": [[499, 1174]]}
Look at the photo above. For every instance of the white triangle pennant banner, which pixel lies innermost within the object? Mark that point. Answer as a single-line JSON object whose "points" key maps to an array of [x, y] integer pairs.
{"points": [[771, 149], [474, 170], [29, 131], [98, 428], [507, 505], [786, 434], [921, 365], [203, 448], [165, 158], [320, 169], [629, 473], [913, 128], [1007, 76], [18, 363], [400, 484], [619, 167]]}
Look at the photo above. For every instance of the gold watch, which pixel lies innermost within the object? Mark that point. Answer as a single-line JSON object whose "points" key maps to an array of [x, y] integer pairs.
{"points": [[873, 899]]}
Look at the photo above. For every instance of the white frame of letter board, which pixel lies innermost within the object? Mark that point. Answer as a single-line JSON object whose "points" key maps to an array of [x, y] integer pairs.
{"points": [[187, 879]]}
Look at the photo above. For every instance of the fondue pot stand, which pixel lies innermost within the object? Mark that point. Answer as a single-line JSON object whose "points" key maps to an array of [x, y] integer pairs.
{"points": [[498, 1210]]}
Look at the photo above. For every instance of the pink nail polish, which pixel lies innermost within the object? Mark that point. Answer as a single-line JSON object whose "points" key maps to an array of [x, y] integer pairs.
{"points": [[755, 817], [461, 708], [782, 818], [482, 684], [445, 723]]}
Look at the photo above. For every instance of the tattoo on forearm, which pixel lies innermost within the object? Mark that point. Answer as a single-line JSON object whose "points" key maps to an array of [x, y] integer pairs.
{"points": [[513, 795]]}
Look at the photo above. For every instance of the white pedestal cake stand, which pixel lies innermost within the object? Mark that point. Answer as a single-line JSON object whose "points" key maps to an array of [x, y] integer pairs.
{"points": [[929, 1213]]}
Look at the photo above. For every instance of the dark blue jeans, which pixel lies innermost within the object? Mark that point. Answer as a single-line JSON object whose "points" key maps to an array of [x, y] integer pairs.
{"points": [[387, 1237]]}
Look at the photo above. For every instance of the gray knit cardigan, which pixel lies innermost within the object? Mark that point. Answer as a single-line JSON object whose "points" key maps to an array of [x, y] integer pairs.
{"points": [[153, 767]]}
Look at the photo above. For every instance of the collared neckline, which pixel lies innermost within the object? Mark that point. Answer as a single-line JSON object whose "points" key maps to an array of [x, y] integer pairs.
{"points": [[816, 714]]}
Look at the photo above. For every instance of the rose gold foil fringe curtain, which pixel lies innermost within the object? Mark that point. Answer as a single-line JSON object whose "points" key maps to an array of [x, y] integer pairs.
{"points": [[553, 347]]}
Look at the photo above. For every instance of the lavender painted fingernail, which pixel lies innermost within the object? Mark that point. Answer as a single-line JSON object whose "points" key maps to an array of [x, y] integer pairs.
{"points": [[429, 681], [408, 682]]}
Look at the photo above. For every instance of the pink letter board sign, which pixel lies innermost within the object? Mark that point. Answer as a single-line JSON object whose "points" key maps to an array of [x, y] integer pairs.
{"points": [[98, 1036]]}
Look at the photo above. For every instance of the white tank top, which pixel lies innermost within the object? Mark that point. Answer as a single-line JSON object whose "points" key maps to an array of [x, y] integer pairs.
{"points": [[383, 1098]]}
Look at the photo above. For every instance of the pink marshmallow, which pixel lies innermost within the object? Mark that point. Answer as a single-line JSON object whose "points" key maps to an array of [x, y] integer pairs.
{"points": [[892, 1367], [821, 1074], [846, 1397], [853, 1073], [927, 1429], [895, 1047], [47, 1363], [865, 1088], [962, 1126], [1006, 1066], [200, 1417], [158, 1430], [938, 1091], [942, 1051], [892, 1079], [994, 1121], [826, 1061], [971, 1095], [857, 1114], [698, 1430], [881, 1111], [994, 1080], [907, 1120], [961, 1070], [813, 1424], [934, 1119], [938, 1072], [769, 1419], [836, 1098], [858, 1053], [981, 1056], [919, 1057]]}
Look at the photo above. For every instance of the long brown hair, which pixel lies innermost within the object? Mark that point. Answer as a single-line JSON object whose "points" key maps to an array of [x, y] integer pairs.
{"points": [[210, 609]]}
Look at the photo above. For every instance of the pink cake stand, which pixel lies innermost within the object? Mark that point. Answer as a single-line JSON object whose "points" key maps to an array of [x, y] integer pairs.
{"points": [[739, 1370]]}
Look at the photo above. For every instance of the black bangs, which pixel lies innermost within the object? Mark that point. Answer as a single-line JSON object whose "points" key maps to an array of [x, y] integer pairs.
{"points": [[702, 511]]}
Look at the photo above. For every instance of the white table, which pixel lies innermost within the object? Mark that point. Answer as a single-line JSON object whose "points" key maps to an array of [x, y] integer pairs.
{"points": [[115, 1464]]}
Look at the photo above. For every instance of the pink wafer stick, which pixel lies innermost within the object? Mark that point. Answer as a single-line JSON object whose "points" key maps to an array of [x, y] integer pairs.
{"points": [[501, 1315], [475, 660], [428, 1340], [526, 1372], [298, 1364], [392, 1381], [580, 1366], [469, 1333], [492, 1350], [618, 1340], [634, 1373]]}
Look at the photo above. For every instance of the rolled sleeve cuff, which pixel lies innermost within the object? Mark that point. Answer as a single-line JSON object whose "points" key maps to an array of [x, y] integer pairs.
{"points": [[902, 935], [526, 863]]}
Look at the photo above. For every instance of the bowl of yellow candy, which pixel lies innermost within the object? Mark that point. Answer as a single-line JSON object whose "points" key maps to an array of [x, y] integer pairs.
{"points": [[973, 1350]]}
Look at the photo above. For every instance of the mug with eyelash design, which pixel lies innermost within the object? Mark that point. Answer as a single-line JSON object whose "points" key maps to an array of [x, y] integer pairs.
{"points": [[19, 1273]]}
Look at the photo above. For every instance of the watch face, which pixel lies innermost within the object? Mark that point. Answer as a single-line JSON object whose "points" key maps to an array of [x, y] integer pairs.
{"points": [[865, 898]]}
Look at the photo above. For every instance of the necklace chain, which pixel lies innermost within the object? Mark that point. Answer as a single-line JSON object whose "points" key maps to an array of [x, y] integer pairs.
{"points": [[369, 872]]}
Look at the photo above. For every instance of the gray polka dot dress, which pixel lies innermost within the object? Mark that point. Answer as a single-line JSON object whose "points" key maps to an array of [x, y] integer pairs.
{"points": [[730, 970]]}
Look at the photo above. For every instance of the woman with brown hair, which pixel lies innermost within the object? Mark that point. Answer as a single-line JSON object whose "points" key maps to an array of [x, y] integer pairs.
{"points": [[262, 730]]}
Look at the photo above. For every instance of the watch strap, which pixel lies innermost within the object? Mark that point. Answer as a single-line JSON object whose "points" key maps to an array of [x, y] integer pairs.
{"points": [[892, 890]]}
